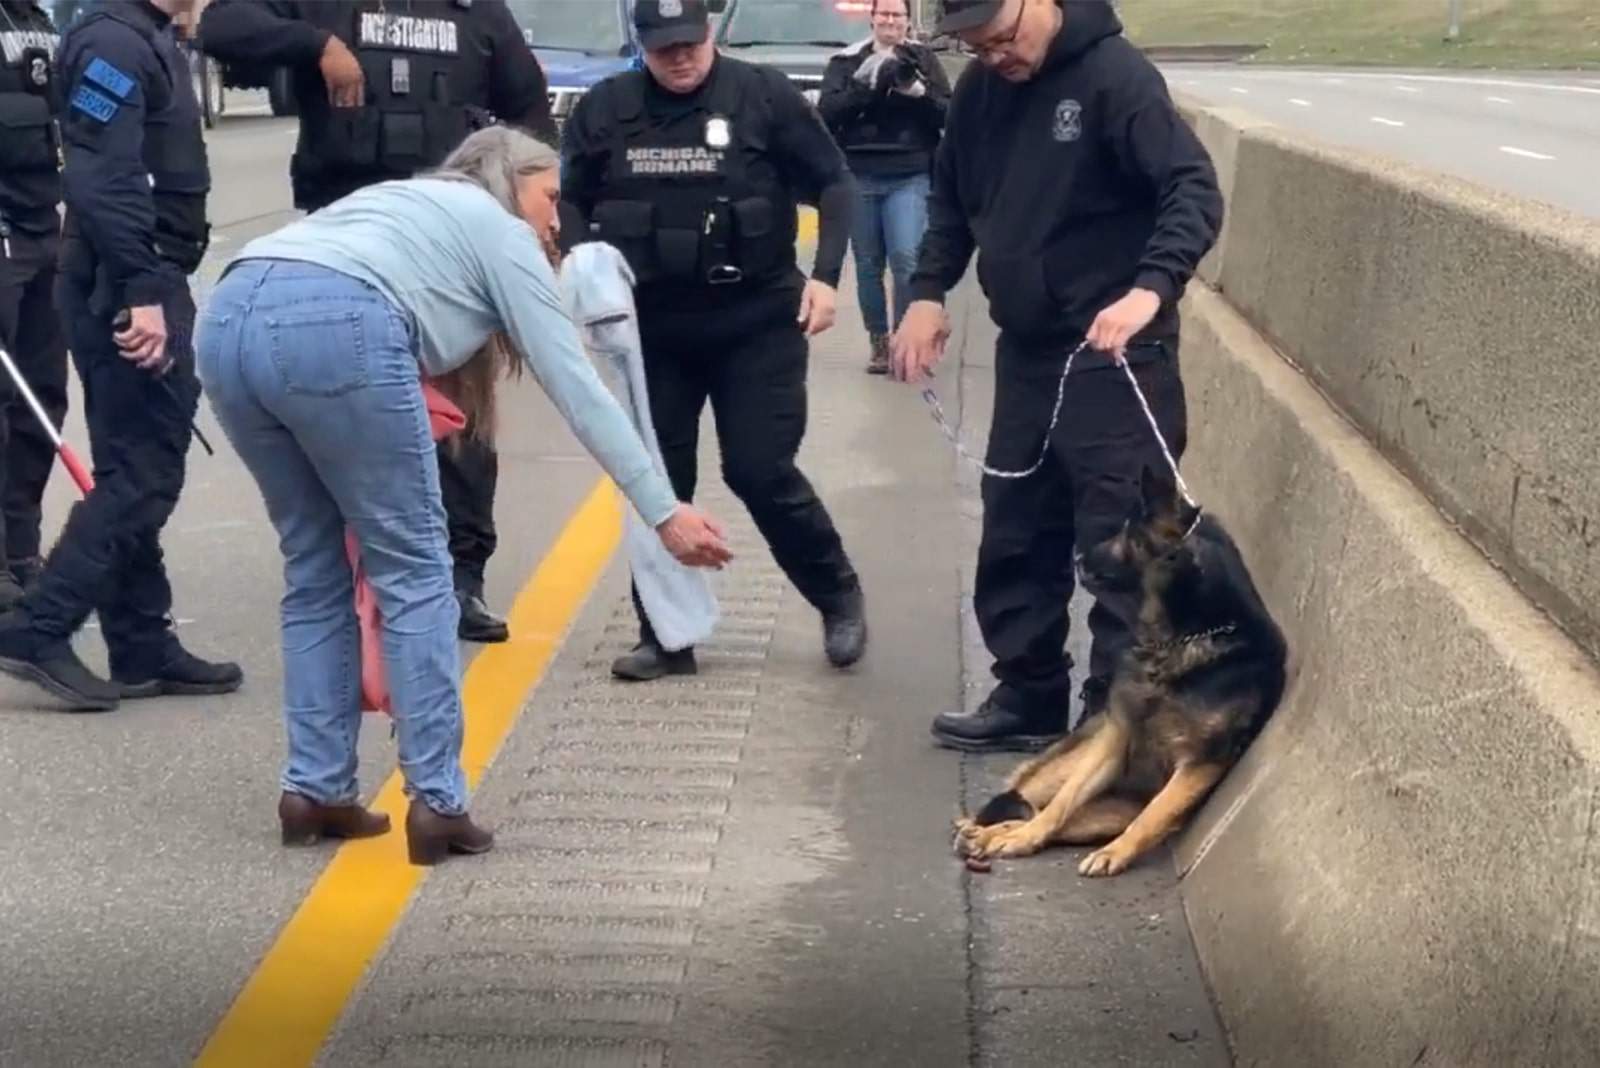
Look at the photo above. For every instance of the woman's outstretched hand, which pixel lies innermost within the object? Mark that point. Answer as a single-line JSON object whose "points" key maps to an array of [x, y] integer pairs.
{"points": [[694, 538]]}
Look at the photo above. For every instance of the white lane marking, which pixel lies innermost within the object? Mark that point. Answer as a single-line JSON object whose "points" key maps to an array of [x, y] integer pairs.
{"points": [[1590, 89], [1497, 100], [1407, 89], [1297, 102], [1241, 92], [1387, 122], [1498, 83], [1524, 153]]}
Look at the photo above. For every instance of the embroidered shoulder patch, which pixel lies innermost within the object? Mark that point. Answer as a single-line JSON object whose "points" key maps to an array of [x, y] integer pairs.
{"points": [[110, 78], [97, 106]]}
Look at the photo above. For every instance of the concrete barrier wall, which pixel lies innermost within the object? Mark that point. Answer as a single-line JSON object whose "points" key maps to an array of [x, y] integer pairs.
{"points": [[1405, 869], [1457, 328]]}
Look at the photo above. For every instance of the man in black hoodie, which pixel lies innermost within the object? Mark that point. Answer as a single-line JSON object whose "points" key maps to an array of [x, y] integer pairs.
{"points": [[1090, 203]]}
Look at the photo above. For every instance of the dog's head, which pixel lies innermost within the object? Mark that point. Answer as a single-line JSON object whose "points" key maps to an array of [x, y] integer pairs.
{"points": [[1153, 542]]}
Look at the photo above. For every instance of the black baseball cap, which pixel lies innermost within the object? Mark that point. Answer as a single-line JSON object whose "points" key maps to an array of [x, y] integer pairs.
{"points": [[968, 14], [662, 23]]}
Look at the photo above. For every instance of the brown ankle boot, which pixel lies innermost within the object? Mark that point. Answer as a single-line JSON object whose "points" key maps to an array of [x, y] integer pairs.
{"points": [[430, 836], [878, 360], [306, 823]]}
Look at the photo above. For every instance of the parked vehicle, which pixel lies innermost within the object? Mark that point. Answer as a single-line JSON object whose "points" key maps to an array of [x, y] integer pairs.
{"points": [[578, 42], [796, 36]]}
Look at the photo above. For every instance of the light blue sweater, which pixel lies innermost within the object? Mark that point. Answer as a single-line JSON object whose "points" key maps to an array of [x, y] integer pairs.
{"points": [[449, 256]]}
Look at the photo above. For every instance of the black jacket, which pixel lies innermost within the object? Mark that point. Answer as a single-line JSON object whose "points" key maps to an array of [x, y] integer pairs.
{"points": [[1073, 187], [792, 147], [882, 132], [30, 181], [135, 172], [497, 72]]}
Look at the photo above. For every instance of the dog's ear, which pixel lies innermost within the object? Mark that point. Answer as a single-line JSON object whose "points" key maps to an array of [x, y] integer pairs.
{"points": [[1158, 493]]}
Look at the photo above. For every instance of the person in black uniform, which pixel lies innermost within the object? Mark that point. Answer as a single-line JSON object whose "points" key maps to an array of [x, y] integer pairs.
{"points": [[385, 90], [693, 168], [30, 237], [135, 180], [1090, 203]]}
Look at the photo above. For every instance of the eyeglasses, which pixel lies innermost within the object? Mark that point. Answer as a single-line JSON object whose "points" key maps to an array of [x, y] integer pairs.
{"points": [[995, 46]]}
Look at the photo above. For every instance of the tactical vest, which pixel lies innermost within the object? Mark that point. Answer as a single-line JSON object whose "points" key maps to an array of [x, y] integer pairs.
{"points": [[30, 145], [174, 142], [696, 196], [412, 117]]}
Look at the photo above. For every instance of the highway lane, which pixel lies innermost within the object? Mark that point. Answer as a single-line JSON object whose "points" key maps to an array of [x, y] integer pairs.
{"points": [[1531, 136], [142, 876]]}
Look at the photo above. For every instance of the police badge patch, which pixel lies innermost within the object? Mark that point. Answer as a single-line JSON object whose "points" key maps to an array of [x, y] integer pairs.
{"points": [[718, 133], [671, 9], [1068, 125]]}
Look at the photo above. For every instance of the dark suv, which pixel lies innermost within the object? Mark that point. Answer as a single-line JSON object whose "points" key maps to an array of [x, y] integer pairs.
{"points": [[795, 36]]}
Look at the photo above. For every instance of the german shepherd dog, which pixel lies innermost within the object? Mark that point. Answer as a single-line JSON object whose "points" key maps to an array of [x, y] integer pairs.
{"points": [[1202, 676]]}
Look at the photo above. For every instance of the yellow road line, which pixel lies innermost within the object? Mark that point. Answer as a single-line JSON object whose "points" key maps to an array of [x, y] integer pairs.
{"points": [[808, 225], [286, 1010]]}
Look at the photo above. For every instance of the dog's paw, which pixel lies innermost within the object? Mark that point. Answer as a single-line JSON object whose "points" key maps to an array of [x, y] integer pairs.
{"points": [[1015, 840], [972, 839], [1105, 861]]}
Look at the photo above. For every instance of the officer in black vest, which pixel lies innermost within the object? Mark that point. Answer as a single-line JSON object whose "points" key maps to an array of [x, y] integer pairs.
{"points": [[30, 236], [385, 90], [135, 180], [693, 168]]}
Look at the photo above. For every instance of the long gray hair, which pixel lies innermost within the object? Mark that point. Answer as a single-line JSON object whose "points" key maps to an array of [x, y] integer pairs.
{"points": [[492, 159]]}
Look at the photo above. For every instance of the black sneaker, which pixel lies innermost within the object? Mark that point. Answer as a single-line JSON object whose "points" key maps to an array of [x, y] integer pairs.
{"points": [[183, 675], [649, 661], [844, 632], [478, 624], [51, 664], [999, 726]]}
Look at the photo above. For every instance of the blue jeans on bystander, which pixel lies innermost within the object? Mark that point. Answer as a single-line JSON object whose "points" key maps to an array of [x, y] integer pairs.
{"points": [[314, 378], [890, 217]]}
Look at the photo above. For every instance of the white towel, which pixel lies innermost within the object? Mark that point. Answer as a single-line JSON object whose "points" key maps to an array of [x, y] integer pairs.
{"points": [[597, 286]]}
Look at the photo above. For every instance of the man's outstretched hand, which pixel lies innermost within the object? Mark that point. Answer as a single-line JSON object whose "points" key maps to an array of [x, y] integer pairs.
{"points": [[919, 343]]}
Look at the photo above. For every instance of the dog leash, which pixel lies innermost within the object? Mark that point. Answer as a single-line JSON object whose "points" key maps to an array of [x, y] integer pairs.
{"points": [[955, 439], [939, 417]]}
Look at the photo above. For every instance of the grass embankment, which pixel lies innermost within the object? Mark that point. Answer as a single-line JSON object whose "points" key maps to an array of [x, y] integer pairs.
{"points": [[1505, 34]]}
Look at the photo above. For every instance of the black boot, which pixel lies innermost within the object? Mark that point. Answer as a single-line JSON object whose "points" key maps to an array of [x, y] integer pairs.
{"points": [[648, 661], [844, 631], [50, 662], [1003, 723], [478, 624], [181, 674]]}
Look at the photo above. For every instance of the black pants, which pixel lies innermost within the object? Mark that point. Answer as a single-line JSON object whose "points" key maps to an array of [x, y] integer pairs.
{"points": [[30, 330], [468, 471], [756, 383], [1086, 488], [108, 559]]}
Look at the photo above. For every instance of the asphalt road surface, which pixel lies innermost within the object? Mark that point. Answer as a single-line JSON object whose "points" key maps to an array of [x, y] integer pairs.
{"points": [[751, 867], [1532, 136]]}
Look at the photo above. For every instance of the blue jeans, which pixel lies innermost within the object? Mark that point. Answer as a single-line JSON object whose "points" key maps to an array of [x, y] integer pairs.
{"points": [[890, 216], [313, 376]]}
